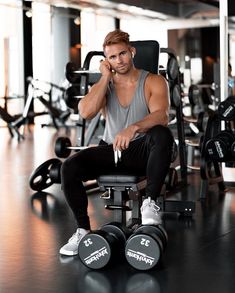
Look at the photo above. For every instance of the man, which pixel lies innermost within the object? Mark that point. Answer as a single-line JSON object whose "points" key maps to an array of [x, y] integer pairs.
{"points": [[136, 105]]}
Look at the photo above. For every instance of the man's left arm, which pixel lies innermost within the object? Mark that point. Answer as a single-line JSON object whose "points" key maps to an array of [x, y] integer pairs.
{"points": [[158, 101]]}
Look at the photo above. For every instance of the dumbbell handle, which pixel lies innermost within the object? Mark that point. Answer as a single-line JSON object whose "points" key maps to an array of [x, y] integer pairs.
{"points": [[117, 207], [77, 147]]}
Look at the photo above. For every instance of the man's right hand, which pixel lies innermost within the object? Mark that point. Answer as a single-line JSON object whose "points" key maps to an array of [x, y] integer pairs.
{"points": [[105, 68]]}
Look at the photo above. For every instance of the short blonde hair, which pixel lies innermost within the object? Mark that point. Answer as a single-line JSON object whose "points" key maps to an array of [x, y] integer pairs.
{"points": [[115, 37]]}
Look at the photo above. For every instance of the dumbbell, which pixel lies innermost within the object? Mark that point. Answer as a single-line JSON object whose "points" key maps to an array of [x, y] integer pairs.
{"points": [[100, 248], [45, 175], [63, 147], [70, 74], [72, 96], [226, 109], [145, 246], [218, 148], [193, 94]]}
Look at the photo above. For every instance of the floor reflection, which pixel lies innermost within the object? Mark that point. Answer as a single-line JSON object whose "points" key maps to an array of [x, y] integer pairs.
{"points": [[43, 204]]}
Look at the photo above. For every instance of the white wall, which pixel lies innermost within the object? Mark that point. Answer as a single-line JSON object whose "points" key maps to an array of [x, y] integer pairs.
{"points": [[59, 46], [145, 29], [93, 30], [11, 48]]}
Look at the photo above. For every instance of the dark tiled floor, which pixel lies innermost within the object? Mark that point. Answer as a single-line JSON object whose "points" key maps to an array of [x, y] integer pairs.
{"points": [[200, 255]]}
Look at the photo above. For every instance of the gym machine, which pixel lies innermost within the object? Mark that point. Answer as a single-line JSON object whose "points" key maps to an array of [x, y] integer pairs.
{"points": [[17, 123]]}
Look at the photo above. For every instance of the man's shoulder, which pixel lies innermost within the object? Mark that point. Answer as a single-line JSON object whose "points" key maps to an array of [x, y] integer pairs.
{"points": [[153, 77]]}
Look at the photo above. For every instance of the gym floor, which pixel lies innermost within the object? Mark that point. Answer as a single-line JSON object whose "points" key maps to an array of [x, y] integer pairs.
{"points": [[199, 257]]}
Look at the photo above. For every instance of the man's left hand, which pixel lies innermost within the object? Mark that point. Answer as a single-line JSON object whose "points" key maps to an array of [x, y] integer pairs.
{"points": [[123, 138]]}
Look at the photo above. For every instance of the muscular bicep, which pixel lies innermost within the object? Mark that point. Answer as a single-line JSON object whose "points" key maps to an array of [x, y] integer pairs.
{"points": [[92, 102]]}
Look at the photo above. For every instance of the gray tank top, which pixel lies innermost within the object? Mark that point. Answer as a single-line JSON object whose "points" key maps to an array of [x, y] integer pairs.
{"points": [[119, 117]]}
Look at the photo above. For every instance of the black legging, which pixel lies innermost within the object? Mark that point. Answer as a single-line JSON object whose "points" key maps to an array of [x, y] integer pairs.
{"points": [[149, 154]]}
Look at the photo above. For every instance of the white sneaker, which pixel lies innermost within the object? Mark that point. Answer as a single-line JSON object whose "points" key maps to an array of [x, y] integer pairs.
{"points": [[71, 248], [150, 212]]}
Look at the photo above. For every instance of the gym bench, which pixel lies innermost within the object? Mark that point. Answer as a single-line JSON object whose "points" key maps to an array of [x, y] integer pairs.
{"points": [[122, 188]]}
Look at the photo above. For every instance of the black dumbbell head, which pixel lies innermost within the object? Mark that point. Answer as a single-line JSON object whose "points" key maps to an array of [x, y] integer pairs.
{"points": [[71, 76], [95, 249], [218, 147], [157, 229], [117, 230], [62, 145], [226, 109], [100, 248], [72, 96], [145, 247]]}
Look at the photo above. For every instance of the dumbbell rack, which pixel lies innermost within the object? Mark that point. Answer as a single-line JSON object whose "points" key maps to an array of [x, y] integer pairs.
{"points": [[211, 170]]}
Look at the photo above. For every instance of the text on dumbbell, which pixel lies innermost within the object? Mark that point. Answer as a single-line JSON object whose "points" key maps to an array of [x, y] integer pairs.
{"points": [[87, 242], [144, 242], [219, 150], [96, 255], [228, 110], [141, 257]]}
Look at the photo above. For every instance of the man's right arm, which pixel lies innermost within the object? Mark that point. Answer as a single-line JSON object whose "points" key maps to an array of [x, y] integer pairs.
{"points": [[95, 100]]}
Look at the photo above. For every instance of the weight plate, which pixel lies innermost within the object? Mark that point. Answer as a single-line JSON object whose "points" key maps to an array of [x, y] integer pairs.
{"points": [[143, 251], [94, 249], [40, 178], [193, 94], [54, 172], [176, 96], [172, 68]]}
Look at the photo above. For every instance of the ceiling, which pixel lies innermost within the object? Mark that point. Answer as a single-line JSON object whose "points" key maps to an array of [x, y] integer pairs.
{"points": [[169, 8], [180, 13]]}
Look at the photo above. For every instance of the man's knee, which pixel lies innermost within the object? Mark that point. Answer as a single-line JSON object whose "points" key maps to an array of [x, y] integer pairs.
{"points": [[160, 134], [71, 167]]}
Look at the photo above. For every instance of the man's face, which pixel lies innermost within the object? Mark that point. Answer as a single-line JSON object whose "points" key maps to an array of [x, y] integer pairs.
{"points": [[120, 57]]}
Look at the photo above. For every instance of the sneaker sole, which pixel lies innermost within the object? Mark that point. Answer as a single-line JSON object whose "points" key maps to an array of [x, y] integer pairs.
{"points": [[151, 222], [68, 253]]}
